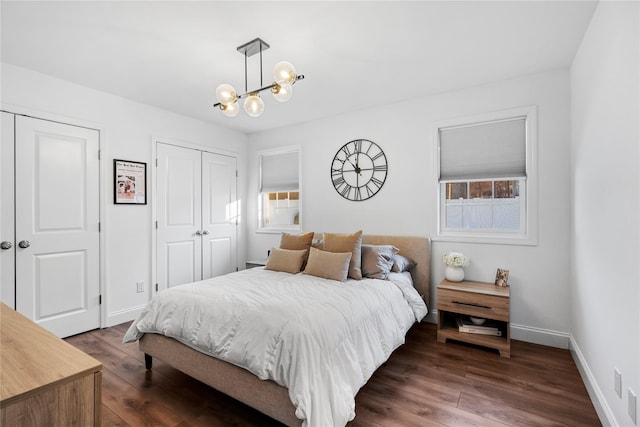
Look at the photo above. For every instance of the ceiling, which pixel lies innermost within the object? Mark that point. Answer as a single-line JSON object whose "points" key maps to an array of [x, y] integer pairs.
{"points": [[354, 55]]}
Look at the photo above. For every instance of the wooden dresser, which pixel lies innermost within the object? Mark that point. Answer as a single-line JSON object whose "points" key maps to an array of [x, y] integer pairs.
{"points": [[45, 381]]}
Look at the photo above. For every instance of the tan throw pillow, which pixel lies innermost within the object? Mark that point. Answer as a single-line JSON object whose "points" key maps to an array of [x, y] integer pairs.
{"points": [[328, 265], [287, 260], [297, 242], [377, 260], [346, 243]]}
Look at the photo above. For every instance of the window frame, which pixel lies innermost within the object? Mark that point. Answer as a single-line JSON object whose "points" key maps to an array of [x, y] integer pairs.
{"points": [[529, 203], [260, 227]]}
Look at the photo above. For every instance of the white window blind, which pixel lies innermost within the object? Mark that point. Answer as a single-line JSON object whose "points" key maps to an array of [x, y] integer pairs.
{"points": [[487, 150], [279, 172]]}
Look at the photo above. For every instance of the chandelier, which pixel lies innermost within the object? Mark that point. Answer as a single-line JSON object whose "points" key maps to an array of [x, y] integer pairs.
{"points": [[283, 73]]}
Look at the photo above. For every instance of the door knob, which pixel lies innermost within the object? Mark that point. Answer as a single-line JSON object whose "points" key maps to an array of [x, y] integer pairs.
{"points": [[205, 232], [198, 232], [24, 244], [6, 245]]}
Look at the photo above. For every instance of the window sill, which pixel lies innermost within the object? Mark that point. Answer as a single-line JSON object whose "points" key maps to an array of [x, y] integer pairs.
{"points": [[491, 239], [278, 230]]}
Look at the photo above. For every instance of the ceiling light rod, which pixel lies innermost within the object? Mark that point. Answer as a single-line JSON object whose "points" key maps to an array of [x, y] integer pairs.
{"points": [[284, 75]]}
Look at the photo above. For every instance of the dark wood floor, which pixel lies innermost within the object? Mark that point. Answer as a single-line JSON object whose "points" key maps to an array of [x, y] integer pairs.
{"points": [[424, 383]]}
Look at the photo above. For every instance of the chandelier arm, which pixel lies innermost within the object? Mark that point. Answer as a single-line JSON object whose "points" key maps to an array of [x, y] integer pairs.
{"points": [[247, 93]]}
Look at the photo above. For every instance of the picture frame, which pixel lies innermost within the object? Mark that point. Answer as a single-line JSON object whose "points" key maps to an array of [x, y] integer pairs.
{"points": [[129, 182], [502, 277]]}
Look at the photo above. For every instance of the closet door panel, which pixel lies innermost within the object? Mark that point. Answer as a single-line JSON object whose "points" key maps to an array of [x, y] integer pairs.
{"points": [[57, 201], [179, 215], [7, 219], [219, 214]]}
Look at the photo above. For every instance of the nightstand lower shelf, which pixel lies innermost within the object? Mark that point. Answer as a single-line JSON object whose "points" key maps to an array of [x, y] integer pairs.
{"points": [[498, 343]]}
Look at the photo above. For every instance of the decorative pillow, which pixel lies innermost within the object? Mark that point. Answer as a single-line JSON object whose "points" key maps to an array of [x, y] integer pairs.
{"points": [[329, 265], [377, 260], [402, 263], [287, 260], [346, 243], [297, 242]]}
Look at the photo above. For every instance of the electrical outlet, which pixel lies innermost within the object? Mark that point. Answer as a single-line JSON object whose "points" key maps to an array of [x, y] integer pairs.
{"points": [[140, 287], [632, 404], [617, 382]]}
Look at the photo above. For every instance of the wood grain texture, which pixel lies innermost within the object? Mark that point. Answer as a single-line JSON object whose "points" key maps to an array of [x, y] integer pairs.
{"points": [[424, 383], [484, 300], [44, 380]]}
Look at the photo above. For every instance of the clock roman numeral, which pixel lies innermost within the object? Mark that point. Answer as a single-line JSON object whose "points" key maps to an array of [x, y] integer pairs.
{"points": [[358, 194], [380, 168], [346, 151], [376, 182], [345, 191], [375, 185], [369, 192], [377, 156], [358, 145]]}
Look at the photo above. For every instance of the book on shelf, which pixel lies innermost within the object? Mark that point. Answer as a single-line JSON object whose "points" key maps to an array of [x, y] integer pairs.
{"points": [[469, 327]]}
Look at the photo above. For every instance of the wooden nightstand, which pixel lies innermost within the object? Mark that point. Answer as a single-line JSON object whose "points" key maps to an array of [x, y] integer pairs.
{"points": [[477, 299], [256, 263]]}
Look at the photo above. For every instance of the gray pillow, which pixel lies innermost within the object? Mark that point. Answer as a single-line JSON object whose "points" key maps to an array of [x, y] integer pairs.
{"points": [[402, 263]]}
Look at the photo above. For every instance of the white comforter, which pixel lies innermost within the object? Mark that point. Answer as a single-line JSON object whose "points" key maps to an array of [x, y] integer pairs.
{"points": [[320, 338]]}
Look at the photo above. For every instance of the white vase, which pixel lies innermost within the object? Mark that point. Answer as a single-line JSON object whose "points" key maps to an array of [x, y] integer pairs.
{"points": [[454, 274]]}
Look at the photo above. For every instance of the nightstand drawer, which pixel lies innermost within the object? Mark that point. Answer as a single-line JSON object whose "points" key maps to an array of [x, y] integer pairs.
{"points": [[474, 304]]}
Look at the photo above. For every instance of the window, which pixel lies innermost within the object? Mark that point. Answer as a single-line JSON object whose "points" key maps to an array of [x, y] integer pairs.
{"points": [[487, 178], [279, 190]]}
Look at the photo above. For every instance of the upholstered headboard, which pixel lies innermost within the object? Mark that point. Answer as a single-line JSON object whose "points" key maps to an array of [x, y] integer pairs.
{"points": [[416, 248]]}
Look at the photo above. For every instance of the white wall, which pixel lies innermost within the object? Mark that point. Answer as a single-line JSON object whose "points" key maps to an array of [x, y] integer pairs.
{"points": [[406, 205], [127, 128], [605, 240]]}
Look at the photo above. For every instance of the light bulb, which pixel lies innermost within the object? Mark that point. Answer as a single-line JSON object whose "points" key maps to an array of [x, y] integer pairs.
{"points": [[282, 93], [284, 74], [226, 94], [230, 110], [253, 105]]}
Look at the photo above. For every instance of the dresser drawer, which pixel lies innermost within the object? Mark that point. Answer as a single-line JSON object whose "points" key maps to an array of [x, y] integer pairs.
{"points": [[474, 304]]}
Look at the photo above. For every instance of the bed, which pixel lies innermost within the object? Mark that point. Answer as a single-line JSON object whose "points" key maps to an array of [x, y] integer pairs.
{"points": [[274, 387]]}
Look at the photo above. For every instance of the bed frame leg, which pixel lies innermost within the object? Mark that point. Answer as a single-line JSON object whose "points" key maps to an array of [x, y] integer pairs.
{"points": [[148, 361]]}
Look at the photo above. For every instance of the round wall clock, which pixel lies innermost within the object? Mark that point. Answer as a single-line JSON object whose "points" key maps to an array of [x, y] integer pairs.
{"points": [[359, 170]]}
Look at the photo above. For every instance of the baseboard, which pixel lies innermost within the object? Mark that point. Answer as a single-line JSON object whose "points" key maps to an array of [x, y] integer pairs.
{"points": [[540, 336], [525, 333], [597, 398], [431, 317], [121, 316]]}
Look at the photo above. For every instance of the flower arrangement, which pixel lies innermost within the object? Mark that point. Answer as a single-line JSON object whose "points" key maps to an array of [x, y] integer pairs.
{"points": [[455, 259]]}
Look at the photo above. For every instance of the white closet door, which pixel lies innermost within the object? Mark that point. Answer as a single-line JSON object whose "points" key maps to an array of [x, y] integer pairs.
{"points": [[7, 220], [219, 214], [179, 217], [57, 219]]}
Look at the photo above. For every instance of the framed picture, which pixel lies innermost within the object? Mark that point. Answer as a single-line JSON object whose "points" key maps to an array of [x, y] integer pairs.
{"points": [[502, 277], [130, 182]]}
